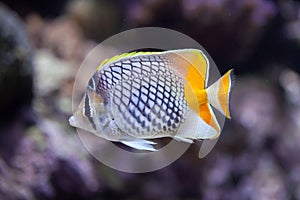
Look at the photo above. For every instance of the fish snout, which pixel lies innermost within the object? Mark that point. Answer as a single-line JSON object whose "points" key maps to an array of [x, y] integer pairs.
{"points": [[72, 121]]}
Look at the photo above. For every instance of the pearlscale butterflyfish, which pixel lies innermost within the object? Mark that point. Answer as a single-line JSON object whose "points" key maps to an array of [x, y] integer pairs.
{"points": [[135, 97]]}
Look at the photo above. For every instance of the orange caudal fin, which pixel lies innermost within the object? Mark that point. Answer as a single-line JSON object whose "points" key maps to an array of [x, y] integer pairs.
{"points": [[219, 93]]}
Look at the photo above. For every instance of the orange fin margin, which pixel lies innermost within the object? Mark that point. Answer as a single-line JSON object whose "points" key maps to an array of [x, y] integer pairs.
{"points": [[224, 92]]}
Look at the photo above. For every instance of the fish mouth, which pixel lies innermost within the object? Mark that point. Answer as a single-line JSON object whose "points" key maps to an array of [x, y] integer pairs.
{"points": [[77, 123], [72, 121]]}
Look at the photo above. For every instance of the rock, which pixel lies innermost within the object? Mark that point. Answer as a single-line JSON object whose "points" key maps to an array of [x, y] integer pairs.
{"points": [[48, 34], [256, 109], [98, 19], [265, 182], [73, 174], [46, 9], [56, 61], [287, 146], [289, 10], [45, 163], [16, 69], [228, 29], [51, 72]]}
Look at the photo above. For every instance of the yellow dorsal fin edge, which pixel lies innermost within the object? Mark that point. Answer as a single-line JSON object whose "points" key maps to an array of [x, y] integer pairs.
{"points": [[108, 61]]}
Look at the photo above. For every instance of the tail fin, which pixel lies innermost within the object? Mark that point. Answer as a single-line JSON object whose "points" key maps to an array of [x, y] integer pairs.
{"points": [[219, 93]]}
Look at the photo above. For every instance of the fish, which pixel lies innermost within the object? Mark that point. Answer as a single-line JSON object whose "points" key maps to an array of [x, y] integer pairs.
{"points": [[135, 97]]}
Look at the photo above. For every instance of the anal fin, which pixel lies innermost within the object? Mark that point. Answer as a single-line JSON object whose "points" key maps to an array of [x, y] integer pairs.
{"points": [[197, 128]]}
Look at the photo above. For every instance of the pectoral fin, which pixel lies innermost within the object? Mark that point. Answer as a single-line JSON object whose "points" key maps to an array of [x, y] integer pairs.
{"points": [[140, 144]]}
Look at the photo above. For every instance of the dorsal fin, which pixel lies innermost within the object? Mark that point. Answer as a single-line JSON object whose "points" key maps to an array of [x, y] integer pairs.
{"points": [[108, 61], [193, 65], [192, 60], [114, 58]]}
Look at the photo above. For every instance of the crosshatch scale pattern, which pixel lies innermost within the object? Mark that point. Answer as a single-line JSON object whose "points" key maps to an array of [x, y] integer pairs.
{"points": [[146, 95]]}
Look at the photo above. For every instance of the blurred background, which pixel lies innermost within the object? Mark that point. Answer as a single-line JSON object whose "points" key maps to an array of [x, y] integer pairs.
{"points": [[42, 44]]}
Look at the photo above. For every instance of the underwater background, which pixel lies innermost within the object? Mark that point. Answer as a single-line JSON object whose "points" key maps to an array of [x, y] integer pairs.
{"points": [[42, 44]]}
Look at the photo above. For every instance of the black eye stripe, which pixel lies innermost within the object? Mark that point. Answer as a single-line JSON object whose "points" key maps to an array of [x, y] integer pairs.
{"points": [[87, 107], [87, 110]]}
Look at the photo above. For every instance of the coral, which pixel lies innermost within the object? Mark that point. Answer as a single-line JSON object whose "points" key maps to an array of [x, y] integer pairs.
{"points": [[49, 34]]}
